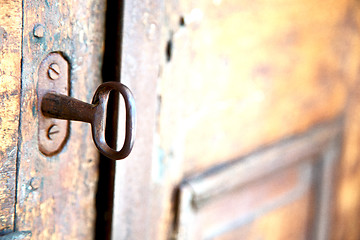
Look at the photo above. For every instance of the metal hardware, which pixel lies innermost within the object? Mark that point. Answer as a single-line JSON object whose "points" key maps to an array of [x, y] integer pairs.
{"points": [[60, 106], [53, 77], [55, 107], [39, 31], [54, 71], [35, 183]]}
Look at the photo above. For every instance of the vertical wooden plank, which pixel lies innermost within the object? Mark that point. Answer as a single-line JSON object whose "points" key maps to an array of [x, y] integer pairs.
{"points": [[133, 203], [10, 73], [347, 199], [56, 195]]}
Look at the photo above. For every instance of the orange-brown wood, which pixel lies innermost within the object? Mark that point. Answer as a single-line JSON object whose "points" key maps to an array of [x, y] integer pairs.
{"points": [[348, 195], [10, 73], [238, 76], [56, 195], [134, 210], [284, 191], [235, 77], [245, 74]]}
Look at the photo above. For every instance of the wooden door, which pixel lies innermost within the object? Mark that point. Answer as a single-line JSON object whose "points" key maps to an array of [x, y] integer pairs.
{"points": [[248, 117], [47, 197], [248, 120], [10, 75]]}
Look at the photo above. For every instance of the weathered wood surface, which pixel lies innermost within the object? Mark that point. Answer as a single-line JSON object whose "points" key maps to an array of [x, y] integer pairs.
{"points": [[245, 74], [134, 205], [236, 76], [347, 198], [253, 197], [56, 195], [10, 73]]}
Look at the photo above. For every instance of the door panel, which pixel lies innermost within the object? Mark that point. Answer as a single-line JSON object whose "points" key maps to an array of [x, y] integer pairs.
{"points": [[260, 71], [248, 120], [134, 206], [257, 210], [253, 197], [237, 78], [56, 194], [10, 73]]}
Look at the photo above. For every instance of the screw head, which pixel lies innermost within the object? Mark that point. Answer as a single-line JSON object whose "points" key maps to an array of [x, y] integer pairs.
{"points": [[53, 131], [39, 31], [35, 183], [54, 71]]}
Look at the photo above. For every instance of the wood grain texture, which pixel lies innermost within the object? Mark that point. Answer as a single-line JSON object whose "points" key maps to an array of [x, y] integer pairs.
{"points": [[10, 74], [56, 195], [240, 75], [244, 74], [256, 196], [258, 210], [235, 77], [348, 196], [134, 206]]}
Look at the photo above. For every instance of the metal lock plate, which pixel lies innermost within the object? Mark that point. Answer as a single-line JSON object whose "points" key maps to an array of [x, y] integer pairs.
{"points": [[53, 77]]}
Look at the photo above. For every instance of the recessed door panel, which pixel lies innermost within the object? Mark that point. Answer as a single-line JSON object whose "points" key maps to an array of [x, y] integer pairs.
{"points": [[287, 184]]}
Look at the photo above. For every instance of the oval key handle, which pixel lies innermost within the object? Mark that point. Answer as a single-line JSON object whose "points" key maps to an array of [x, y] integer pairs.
{"points": [[64, 107]]}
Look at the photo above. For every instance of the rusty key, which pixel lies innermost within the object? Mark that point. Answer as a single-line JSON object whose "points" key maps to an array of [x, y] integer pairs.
{"points": [[60, 106]]}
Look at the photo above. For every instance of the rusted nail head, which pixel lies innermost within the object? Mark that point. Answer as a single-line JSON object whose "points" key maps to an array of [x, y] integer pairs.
{"points": [[53, 130], [39, 31], [35, 183], [54, 71]]}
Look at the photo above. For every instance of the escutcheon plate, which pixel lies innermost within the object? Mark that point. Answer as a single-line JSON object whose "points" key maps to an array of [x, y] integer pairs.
{"points": [[53, 77]]}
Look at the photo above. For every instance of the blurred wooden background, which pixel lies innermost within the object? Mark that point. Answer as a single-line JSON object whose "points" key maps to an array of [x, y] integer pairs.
{"points": [[248, 120]]}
